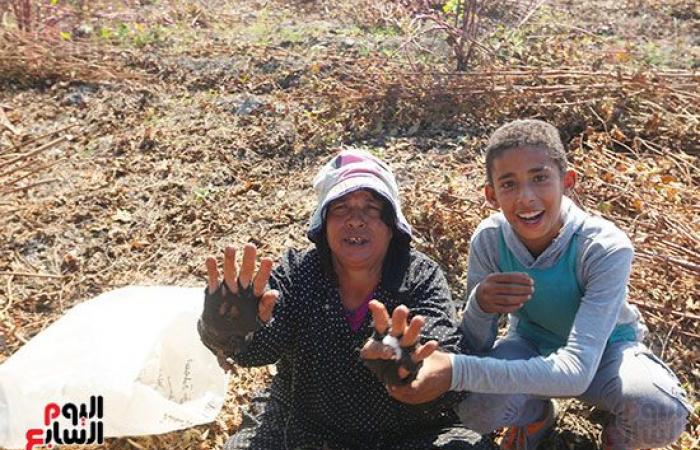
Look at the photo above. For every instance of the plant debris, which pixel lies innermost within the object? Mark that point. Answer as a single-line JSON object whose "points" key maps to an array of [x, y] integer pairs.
{"points": [[132, 150]]}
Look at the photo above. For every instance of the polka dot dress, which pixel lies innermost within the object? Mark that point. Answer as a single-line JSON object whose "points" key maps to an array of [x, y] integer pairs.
{"points": [[323, 395]]}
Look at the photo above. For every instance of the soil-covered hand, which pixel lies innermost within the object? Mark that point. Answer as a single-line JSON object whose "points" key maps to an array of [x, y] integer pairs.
{"points": [[240, 303], [432, 381], [393, 353], [504, 292]]}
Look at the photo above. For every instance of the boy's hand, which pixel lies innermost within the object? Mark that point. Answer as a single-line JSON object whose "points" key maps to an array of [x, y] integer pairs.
{"points": [[432, 380], [504, 292]]}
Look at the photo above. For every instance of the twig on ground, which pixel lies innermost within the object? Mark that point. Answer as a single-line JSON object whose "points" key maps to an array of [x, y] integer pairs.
{"points": [[34, 152], [29, 274], [45, 135], [4, 121], [683, 315], [33, 185]]}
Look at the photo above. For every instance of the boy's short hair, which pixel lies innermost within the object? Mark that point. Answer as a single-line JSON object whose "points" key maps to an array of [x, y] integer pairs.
{"points": [[525, 133]]}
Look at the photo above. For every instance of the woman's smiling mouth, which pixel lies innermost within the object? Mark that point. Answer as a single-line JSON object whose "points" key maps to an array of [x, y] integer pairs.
{"points": [[355, 240]]}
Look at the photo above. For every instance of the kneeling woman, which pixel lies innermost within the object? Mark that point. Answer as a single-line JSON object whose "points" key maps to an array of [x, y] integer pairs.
{"points": [[313, 320]]}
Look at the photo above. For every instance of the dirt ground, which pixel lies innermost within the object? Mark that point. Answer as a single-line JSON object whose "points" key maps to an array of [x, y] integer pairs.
{"points": [[155, 133]]}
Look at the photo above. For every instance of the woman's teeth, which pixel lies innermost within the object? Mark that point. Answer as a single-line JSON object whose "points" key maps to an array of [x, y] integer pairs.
{"points": [[355, 241]]}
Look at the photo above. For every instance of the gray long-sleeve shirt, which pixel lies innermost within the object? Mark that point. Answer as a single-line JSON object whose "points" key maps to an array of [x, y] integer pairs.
{"points": [[603, 263]]}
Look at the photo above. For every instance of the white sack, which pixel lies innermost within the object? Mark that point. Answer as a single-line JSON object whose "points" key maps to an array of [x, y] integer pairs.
{"points": [[137, 346]]}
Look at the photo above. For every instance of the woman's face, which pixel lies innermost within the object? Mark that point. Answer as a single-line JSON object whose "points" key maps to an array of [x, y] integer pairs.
{"points": [[356, 234]]}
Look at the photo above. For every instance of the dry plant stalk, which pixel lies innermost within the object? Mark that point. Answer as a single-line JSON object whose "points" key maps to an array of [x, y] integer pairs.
{"points": [[465, 24], [29, 164], [28, 60], [22, 10]]}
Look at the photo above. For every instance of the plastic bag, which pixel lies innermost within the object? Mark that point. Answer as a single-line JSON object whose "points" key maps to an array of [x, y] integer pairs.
{"points": [[136, 347]]}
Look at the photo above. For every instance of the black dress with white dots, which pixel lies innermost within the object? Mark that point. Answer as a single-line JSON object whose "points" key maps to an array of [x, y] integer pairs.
{"points": [[323, 397]]}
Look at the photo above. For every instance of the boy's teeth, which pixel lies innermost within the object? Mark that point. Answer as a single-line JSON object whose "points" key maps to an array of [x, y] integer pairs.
{"points": [[530, 215]]}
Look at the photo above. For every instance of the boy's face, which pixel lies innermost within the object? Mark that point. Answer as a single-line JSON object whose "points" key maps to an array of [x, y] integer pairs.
{"points": [[528, 187]]}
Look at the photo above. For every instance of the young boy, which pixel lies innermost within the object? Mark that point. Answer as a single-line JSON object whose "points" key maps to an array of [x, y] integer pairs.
{"points": [[561, 275]]}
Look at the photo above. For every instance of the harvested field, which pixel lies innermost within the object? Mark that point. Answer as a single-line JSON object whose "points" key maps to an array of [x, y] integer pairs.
{"points": [[166, 130]]}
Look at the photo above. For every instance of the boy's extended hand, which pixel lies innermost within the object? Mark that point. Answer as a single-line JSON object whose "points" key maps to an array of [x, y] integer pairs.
{"points": [[433, 380], [504, 292]]}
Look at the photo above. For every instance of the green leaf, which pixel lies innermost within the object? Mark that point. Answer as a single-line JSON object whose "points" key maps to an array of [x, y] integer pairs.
{"points": [[605, 207], [65, 35], [450, 6], [106, 33], [123, 31]]}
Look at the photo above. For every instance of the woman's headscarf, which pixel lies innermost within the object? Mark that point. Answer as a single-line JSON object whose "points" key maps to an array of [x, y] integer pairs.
{"points": [[349, 171]]}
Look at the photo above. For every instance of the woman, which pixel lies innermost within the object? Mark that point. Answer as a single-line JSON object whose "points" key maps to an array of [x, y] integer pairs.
{"points": [[313, 319]]}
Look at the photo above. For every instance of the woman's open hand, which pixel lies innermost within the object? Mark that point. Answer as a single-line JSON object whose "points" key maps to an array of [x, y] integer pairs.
{"points": [[394, 353], [233, 307]]}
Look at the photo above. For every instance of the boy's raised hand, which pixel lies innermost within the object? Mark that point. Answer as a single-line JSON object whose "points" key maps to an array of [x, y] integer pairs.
{"points": [[504, 292]]}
